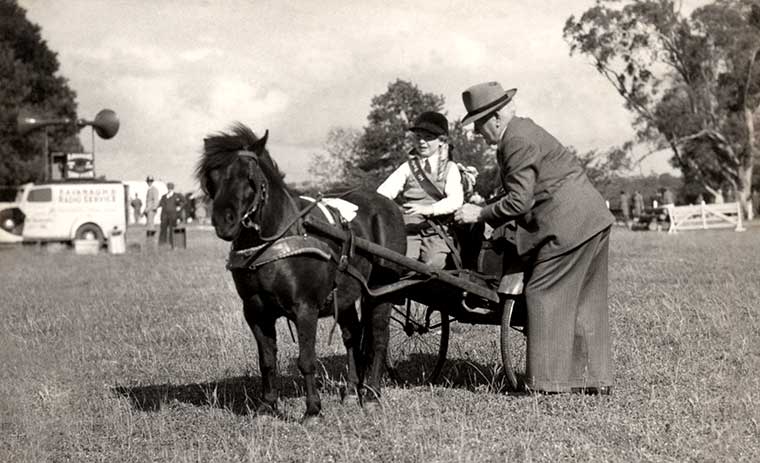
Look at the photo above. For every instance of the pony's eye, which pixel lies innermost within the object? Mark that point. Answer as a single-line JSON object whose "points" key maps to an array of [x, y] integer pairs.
{"points": [[212, 179]]}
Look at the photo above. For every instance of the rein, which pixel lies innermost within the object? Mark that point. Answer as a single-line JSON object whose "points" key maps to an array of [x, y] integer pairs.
{"points": [[261, 193]]}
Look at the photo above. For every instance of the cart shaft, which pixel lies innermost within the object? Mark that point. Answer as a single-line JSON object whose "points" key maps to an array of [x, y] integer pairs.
{"points": [[399, 259]]}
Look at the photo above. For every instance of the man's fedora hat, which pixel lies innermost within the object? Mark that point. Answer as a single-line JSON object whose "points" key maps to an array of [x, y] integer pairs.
{"points": [[483, 99], [149, 178], [431, 122]]}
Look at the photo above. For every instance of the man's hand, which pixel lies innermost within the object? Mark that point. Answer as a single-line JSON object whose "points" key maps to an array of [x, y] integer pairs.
{"points": [[419, 209], [468, 213]]}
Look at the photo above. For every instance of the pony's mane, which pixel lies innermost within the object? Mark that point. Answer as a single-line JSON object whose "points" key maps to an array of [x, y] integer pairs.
{"points": [[220, 150]]}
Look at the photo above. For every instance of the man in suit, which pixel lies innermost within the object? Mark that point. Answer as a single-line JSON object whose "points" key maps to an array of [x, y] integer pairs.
{"points": [[136, 207], [562, 236], [151, 205], [170, 204]]}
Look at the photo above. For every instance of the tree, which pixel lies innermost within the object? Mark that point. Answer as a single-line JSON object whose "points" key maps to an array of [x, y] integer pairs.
{"points": [[691, 82], [471, 150], [333, 167], [28, 82], [605, 168], [384, 143]]}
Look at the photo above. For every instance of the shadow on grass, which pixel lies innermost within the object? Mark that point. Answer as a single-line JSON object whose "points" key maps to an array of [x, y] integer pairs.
{"points": [[240, 394], [456, 373]]}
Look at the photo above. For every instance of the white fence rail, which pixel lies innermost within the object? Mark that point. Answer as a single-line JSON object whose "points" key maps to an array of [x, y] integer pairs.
{"points": [[705, 216]]}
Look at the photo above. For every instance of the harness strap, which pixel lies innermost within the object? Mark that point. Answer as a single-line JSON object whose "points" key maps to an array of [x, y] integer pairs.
{"points": [[347, 247], [334, 294], [422, 178], [258, 256], [435, 225]]}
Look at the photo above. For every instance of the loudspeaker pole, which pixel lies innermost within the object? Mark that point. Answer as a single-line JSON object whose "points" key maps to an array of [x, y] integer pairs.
{"points": [[48, 171]]}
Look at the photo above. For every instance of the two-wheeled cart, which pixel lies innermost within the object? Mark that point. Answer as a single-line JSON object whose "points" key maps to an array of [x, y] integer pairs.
{"points": [[473, 292]]}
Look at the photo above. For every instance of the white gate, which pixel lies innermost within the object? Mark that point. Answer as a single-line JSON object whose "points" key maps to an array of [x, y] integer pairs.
{"points": [[705, 216]]}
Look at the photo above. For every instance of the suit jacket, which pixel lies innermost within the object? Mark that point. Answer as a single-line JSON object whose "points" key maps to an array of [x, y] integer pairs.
{"points": [[151, 199], [170, 206], [555, 206]]}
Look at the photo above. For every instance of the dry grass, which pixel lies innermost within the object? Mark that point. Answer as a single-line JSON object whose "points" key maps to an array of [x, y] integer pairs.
{"points": [[146, 357]]}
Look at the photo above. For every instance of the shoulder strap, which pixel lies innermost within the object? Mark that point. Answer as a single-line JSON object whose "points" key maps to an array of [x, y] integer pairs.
{"points": [[424, 181]]}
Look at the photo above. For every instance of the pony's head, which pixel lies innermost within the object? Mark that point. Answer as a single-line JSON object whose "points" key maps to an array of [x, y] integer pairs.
{"points": [[236, 172]]}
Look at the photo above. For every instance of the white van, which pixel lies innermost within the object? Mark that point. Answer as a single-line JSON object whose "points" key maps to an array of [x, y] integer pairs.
{"points": [[66, 210]]}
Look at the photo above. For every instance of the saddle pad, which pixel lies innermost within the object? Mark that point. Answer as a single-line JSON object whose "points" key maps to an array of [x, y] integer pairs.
{"points": [[346, 209]]}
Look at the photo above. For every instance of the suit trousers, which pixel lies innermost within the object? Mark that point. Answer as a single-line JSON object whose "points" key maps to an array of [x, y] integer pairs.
{"points": [[150, 218], [568, 319], [166, 231]]}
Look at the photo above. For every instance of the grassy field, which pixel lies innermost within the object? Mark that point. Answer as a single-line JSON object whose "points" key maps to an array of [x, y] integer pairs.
{"points": [[146, 357]]}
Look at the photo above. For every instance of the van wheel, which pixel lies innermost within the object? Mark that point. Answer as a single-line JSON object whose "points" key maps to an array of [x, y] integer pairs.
{"points": [[89, 231]]}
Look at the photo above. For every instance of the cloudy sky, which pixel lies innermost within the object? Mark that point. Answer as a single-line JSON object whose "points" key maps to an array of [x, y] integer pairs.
{"points": [[177, 70]]}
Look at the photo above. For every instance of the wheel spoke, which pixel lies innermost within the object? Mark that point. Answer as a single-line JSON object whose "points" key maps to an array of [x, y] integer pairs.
{"points": [[417, 343]]}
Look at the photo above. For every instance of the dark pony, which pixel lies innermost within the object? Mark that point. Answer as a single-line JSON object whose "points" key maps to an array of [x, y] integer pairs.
{"points": [[281, 270]]}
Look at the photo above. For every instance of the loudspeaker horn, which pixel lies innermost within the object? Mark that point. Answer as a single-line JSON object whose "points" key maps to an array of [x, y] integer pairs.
{"points": [[106, 123], [27, 123]]}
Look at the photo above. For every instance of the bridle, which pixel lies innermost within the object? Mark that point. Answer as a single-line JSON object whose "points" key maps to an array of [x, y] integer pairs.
{"points": [[252, 216]]}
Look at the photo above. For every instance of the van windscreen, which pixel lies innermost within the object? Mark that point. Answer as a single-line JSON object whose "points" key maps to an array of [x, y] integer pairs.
{"points": [[40, 195]]}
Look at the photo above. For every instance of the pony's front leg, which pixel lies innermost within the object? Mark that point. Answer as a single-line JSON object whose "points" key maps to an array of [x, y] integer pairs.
{"points": [[306, 322], [266, 338]]}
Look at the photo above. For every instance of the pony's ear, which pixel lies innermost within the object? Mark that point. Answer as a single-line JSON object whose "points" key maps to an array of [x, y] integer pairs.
{"points": [[260, 143]]}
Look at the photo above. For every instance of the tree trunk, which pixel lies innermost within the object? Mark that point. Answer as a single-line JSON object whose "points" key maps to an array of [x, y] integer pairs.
{"points": [[711, 190], [744, 189]]}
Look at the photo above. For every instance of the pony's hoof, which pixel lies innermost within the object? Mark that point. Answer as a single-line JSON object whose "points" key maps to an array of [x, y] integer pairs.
{"points": [[311, 421], [266, 410], [348, 394], [372, 407]]}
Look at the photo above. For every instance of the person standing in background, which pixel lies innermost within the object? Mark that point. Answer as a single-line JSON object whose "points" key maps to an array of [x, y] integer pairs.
{"points": [[170, 203], [638, 204], [151, 205], [136, 208], [625, 208]]}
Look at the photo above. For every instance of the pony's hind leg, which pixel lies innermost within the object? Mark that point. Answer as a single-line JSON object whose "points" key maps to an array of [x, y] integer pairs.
{"points": [[350, 329], [375, 319], [306, 324], [266, 339]]}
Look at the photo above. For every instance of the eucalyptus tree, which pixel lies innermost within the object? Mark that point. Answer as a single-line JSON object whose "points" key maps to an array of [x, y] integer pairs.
{"points": [[691, 81]]}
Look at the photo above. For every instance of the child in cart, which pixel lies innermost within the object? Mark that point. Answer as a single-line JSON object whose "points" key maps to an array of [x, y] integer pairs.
{"points": [[429, 184]]}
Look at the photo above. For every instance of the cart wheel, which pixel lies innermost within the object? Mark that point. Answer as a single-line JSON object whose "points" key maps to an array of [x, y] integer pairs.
{"points": [[513, 342], [418, 342]]}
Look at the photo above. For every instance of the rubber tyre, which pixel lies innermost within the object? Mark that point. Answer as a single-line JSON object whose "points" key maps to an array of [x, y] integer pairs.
{"points": [[513, 346], [417, 347], [89, 231]]}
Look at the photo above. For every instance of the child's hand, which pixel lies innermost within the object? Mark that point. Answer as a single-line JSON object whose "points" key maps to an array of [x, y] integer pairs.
{"points": [[419, 209]]}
